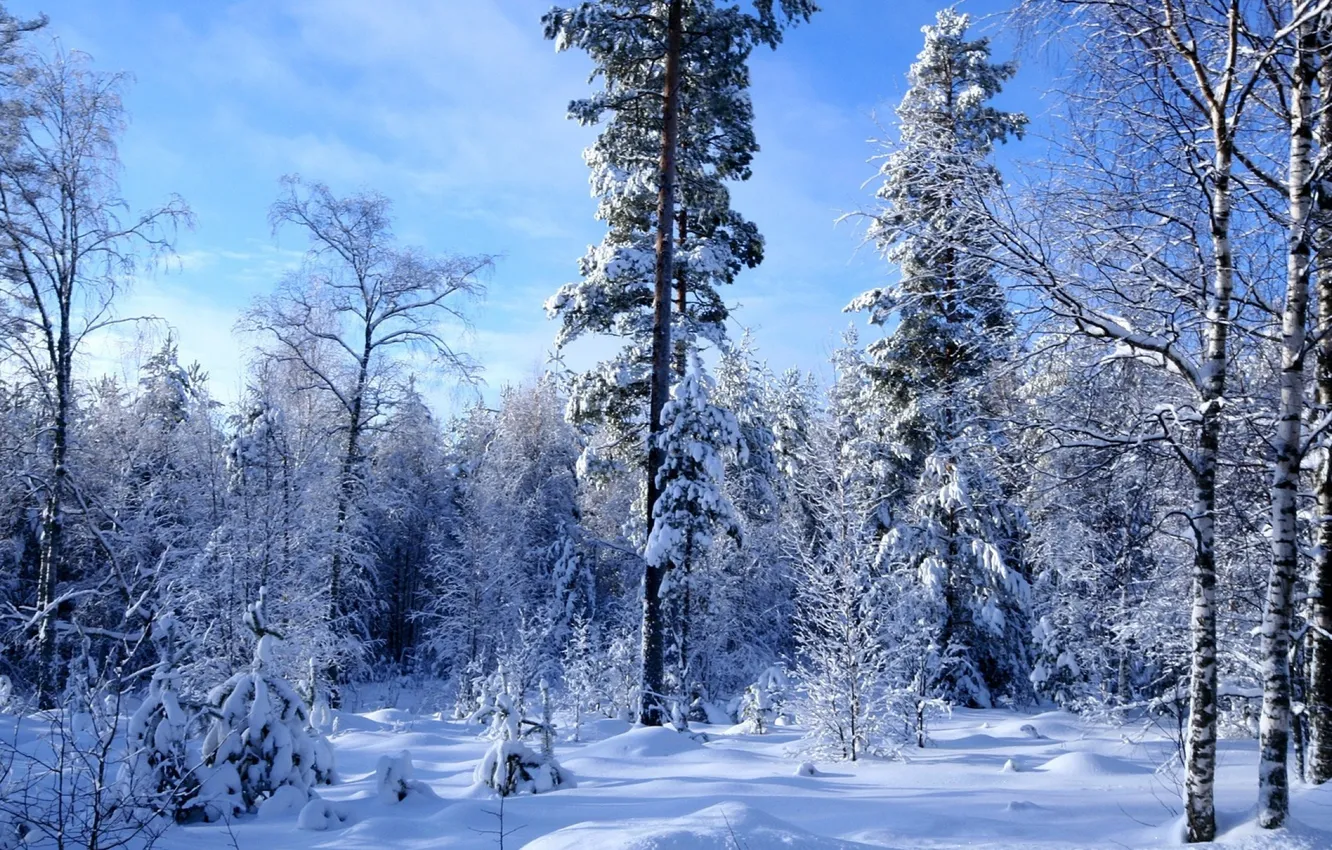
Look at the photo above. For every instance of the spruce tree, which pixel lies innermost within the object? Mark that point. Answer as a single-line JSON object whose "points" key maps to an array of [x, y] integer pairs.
{"points": [[956, 528]]}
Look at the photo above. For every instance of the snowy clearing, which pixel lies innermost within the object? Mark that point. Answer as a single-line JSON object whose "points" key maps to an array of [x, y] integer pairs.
{"points": [[1077, 786]]}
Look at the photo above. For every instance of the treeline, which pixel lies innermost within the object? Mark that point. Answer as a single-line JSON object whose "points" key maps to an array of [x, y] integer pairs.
{"points": [[1085, 461]]}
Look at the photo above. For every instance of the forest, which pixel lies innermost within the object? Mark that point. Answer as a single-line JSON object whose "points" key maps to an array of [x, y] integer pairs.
{"points": [[1074, 465]]}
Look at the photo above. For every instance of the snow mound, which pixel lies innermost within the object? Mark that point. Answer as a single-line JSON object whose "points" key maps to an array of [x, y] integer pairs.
{"points": [[807, 768], [390, 716], [394, 782], [285, 800], [320, 815], [641, 742], [1090, 764], [721, 827], [1010, 766]]}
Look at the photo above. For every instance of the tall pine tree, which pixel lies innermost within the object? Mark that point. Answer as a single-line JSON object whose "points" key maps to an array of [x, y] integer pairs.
{"points": [[678, 125]]}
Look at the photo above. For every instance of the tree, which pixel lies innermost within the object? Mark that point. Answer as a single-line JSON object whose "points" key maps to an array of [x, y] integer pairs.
{"points": [[952, 327], [699, 130], [693, 502], [1275, 720], [68, 251], [357, 301], [842, 656], [1152, 182], [1319, 702], [259, 740]]}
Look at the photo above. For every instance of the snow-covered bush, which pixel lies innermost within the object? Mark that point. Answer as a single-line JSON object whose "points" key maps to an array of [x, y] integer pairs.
{"points": [[260, 738], [510, 766]]}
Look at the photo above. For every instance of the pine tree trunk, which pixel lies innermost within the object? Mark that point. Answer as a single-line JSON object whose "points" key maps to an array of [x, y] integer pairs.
{"points": [[1274, 723], [1319, 698], [652, 709]]}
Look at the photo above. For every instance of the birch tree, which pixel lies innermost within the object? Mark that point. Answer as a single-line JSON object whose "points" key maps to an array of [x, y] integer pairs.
{"points": [[1175, 80], [1275, 721], [359, 304], [69, 249], [1319, 613]]}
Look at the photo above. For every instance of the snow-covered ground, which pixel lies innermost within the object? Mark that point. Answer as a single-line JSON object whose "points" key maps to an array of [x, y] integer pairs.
{"points": [[986, 782]]}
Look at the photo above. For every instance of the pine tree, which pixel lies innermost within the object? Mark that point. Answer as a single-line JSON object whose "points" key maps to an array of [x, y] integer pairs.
{"points": [[699, 133]]}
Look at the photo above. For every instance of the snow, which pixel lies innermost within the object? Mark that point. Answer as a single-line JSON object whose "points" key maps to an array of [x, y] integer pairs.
{"points": [[720, 827], [1091, 764], [644, 742], [1081, 785]]}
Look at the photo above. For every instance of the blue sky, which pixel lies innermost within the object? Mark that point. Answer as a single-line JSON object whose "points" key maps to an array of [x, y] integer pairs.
{"points": [[455, 109]]}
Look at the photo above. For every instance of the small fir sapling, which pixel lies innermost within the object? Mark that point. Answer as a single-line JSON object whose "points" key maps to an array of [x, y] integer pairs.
{"points": [[260, 739], [156, 774], [580, 672], [764, 702], [510, 766], [620, 681]]}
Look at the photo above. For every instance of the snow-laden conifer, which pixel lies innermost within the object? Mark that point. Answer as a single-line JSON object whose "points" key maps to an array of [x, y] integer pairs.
{"points": [[157, 777], [260, 738]]}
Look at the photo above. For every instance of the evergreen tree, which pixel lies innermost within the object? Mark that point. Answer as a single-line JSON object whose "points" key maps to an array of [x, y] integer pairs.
{"points": [[693, 502], [957, 527], [699, 134]]}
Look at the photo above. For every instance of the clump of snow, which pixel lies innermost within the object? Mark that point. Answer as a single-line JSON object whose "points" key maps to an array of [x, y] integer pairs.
{"points": [[321, 717], [283, 801], [642, 742], [1010, 766], [721, 827], [1090, 764], [320, 815], [806, 768], [394, 782]]}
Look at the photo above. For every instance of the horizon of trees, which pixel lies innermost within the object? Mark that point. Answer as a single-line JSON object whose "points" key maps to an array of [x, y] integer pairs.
{"points": [[1086, 462]]}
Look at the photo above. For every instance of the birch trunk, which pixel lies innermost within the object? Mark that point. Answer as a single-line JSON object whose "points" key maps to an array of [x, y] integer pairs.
{"points": [[1274, 723], [1200, 736], [1319, 702]]}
